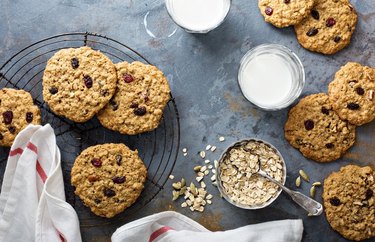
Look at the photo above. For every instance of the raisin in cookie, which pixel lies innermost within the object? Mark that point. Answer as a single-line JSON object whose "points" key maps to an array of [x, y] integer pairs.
{"points": [[17, 110], [317, 131], [283, 13], [329, 27], [142, 93], [108, 178], [349, 202], [351, 93], [77, 83]]}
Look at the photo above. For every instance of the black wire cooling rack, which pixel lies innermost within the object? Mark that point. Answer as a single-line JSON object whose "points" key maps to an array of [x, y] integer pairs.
{"points": [[158, 149]]}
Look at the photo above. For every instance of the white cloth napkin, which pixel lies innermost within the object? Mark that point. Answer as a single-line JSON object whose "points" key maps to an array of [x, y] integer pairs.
{"points": [[171, 227], [32, 199]]}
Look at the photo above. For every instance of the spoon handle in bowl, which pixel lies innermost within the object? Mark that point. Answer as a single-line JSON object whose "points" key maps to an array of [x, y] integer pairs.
{"points": [[310, 205]]}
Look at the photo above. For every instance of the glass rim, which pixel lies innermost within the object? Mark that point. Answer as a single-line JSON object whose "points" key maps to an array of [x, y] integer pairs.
{"points": [[296, 62], [201, 31]]}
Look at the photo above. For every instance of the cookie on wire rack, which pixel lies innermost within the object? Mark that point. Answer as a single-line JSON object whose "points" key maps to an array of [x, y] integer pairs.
{"points": [[137, 106], [78, 83], [108, 178], [17, 110]]}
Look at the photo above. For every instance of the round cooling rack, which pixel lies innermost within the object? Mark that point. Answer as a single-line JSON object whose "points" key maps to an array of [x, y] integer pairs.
{"points": [[158, 149]]}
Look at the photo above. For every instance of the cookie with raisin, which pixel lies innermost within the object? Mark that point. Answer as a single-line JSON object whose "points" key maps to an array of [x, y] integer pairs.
{"points": [[78, 83], [17, 110], [138, 104], [329, 27], [349, 202], [108, 178], [317, 131], [352, 93], [284, 13]]}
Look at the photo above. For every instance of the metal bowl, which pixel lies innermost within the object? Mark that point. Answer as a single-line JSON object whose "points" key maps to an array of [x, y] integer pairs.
{"points": [[219, 182]]}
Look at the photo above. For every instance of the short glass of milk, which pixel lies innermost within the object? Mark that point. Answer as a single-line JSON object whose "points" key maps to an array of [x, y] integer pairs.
{"points": [[198, 16], [271, 76]]}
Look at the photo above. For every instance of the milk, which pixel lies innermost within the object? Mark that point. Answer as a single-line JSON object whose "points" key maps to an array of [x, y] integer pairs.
{"points": [[267, 80], [198, 15]]}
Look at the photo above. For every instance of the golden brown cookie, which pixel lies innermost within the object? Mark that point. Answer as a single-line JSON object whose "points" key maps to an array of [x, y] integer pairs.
{"points": [[283, 13], [77, 83], [329, 27], [137, 107], [17, 110], [317, 131], [352, 93], [349, 202], [108, 178]]}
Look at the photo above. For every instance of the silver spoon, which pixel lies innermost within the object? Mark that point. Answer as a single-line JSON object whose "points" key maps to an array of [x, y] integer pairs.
{"points": [[310, 205]]}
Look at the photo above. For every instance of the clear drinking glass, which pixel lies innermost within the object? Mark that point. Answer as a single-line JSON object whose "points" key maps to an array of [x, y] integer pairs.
{"points": [[294, 66], [198, 21]]}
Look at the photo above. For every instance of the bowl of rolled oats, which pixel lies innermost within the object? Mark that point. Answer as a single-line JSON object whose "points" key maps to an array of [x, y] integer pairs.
{"points": [[237, 177]]}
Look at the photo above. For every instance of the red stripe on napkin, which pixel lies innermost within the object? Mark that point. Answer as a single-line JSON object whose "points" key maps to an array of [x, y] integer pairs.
{"points": [[41, 172], [159, 232], [14, 152], [61, 235], [32, 147]]}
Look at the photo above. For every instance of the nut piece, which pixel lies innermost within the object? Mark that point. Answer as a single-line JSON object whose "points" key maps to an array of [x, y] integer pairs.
{"points": [[176, 195], [304, 175], [316, 184], [197, 168], [312, 191], [298, 181], [370, 95]]}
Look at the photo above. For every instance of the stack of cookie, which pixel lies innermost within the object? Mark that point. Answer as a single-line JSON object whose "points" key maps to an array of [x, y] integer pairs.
{"points": [[79, 83], [323, 26], [322, 126]]}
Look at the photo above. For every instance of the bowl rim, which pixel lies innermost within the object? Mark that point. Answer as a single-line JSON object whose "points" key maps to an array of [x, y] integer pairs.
{"points": [[219, 182]]}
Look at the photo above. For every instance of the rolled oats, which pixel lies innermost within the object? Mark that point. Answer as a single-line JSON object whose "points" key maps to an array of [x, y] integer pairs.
{"points": [[238, 173], [208, 147], [221, 138]]}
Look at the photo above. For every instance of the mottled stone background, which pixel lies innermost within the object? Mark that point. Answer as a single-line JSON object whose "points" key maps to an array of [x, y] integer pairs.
{"points": [[202, 70]]}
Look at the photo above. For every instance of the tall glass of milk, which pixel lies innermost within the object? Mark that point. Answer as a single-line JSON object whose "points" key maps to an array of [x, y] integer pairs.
{"points": [[198, 16], [271, 76]]}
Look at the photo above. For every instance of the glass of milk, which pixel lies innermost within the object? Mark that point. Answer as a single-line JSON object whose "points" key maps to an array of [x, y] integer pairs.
{"points": [[271, 76], [198, 16]]}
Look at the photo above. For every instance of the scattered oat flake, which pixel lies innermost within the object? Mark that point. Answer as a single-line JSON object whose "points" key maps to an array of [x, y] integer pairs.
{"points": [[210, 166], [171, 177], [209, 197], [207, 161], [199, 178], [209, 201], [213, 148], [184, 150], [208, 147], [185, 154], [213, 178], [221, 138], [184, 204], [202, 154]]}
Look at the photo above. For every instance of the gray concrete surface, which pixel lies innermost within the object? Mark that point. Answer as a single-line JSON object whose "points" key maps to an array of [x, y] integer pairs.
{"points": [[202, 70]]}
